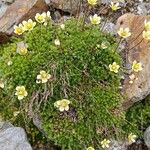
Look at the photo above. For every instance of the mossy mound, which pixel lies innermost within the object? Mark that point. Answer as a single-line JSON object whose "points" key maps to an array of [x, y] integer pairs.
{"points": [[80, 73]]}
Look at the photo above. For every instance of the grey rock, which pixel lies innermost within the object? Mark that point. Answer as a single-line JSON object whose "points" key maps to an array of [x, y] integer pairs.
{"points": [[140, 0], [147, 137], [13, 138], [148, 8], [4, 5], [47, 1], [25, 10], [141, 9], [57, 15], [65, 5], [117, 145], [109, 1], [3, 8], [109, 27]]}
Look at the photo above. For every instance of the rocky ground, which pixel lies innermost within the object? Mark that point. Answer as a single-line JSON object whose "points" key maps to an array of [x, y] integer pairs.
{"points": [[139, 7]]}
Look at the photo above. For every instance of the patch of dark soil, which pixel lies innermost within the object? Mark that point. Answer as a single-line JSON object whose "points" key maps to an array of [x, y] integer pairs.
{"points": [[138, 145]]}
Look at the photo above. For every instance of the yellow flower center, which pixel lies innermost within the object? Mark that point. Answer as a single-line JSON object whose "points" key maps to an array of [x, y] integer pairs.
{"points": [[40, 18], [114, 67], [23, 51], [64, 104], [29, 25], [19, 30], [114, 7], [94, 20], [136, 66], [44, 75], [124, 33], [21, 92]]}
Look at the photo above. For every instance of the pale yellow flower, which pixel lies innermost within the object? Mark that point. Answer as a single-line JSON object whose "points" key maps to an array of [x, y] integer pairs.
{"points": [[62, 26], [62, 105], [147, 25], [92, 2], [131, 81], [95, 19], [114, 67], [132, 137], [9, 63], [22, 48], [23, 51], [146, 35], [43, 76], [48, 15], [2, 85], [132, 77], [104, 44], [16, 113], [40, 18], [57, 42], [19, 29], [21, 92], [136, 67], [114, 6], [105, 143], [29, 25], [90, 148], [98, 46], [124, 32], [47, 18]]}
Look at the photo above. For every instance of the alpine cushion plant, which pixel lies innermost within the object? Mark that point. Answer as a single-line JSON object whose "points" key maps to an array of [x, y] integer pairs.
{"points": [[69, 75], [77, 93]]}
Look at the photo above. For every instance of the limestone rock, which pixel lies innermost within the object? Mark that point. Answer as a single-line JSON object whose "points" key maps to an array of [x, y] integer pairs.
{"points": [[109, 27], [117, 145], [140, 87], [109, 1], [3, 8], [70, 6], [147, 137], [17, 12], [141, 9], [12, 138]]}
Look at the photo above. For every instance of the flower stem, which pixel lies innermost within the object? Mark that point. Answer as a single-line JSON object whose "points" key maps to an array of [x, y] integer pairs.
{"points": [[79, 10], [85, 15], [118, 45]]}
